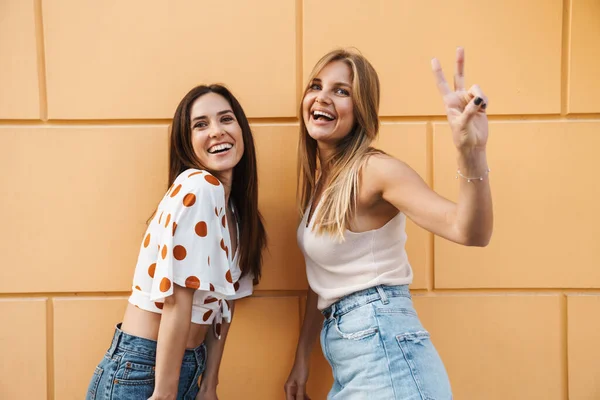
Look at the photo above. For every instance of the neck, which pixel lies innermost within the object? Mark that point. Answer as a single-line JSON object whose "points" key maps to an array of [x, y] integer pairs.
{"points": [[226, 179], [325, 153]]}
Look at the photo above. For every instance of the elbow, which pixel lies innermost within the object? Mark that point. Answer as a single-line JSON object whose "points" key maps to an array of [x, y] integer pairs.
{"points": [[478, 240]]}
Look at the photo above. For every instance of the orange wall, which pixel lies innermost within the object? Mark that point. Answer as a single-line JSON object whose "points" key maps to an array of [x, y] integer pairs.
{"points": [[86, 93]]}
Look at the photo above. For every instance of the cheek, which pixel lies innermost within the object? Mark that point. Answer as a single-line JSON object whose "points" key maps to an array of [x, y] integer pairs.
{"points": [[348, 114], [306, 102], [198, 144], [239, 140], [240, 147]]}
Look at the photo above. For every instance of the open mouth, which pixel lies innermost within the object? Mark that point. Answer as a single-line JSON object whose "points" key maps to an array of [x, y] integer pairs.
{"points": [[322, 116], [220, 148]]}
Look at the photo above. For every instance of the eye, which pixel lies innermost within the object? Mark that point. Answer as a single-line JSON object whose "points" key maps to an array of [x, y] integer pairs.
{"points": [[227, 118], [315, 86], [200, 124], [343, 92]]}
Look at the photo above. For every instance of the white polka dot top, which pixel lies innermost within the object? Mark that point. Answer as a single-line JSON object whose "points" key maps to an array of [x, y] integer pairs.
{"points": [[187, 243]]}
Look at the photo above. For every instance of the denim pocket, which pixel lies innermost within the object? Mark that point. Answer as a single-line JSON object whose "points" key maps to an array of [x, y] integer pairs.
{"points": [[135, 371], [425, 365], [358, 324], [398, 310], [134, 378], [189, 380], [93, 386]]}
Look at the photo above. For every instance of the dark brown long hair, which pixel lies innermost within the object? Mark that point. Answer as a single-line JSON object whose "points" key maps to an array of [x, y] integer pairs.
{"points": [[244, 188]]}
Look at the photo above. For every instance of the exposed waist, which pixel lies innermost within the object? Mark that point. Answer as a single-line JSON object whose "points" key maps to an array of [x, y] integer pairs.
{"points": [[145, 324], [123, 341]]}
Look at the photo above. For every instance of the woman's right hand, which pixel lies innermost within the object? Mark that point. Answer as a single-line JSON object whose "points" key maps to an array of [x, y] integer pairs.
{"points": [[295, 387], [158, 396]]}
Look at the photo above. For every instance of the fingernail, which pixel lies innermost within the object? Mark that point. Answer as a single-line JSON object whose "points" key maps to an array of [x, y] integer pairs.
{"points": [[478, 100]]}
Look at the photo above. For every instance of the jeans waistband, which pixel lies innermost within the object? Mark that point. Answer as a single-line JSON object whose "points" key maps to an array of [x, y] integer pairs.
{"points": [[366, 296], [147, 347]]}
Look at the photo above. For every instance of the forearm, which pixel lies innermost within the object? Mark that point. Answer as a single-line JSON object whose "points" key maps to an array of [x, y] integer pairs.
{"points": [[311, 326], [214, 354], [474, 214], [172, 337]]}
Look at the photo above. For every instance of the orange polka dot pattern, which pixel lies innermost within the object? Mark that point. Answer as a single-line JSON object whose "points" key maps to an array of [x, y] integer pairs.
{"points": [[201, 229], [165, 284], [192, 282], [212, 180], [179, 252], [175, 191], [187, 244], [189, 200], [151, 270]]}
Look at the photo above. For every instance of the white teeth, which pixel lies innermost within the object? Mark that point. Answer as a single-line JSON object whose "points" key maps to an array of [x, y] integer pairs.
{"points": [[317, 113], [220, 147]]}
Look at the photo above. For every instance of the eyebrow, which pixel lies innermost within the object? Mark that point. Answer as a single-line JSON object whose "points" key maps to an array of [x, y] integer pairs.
{"points": [[335, 84], [218, 114]]}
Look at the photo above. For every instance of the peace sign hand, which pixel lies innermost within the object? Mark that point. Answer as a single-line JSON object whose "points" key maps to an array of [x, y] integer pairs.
{"points": [[465, 109]]}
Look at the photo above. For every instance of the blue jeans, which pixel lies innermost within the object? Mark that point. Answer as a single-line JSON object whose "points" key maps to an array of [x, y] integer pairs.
{"points": [[127, 370], [378, 349]]}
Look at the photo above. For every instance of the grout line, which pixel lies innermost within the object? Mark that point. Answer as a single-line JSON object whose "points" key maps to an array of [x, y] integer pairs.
{"points": [[429, 168], [565, 56], [564, 335], [299, 53], [300, 293], [50, 349], [41, 59], [576, 117]]}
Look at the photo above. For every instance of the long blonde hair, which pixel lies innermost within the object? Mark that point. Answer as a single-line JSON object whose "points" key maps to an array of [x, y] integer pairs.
{"points": [[339, 199]]}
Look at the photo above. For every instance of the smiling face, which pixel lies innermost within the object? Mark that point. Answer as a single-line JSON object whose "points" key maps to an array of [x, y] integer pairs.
{"points": [[327, 107], [216, 134]]}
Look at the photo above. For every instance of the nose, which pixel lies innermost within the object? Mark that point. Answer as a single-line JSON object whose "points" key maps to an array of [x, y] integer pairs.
{"points": [[217, 131], [322, 98]]}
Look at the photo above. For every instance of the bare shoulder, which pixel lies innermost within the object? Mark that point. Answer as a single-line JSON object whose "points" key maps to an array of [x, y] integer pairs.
{"points": [[380, 167]]}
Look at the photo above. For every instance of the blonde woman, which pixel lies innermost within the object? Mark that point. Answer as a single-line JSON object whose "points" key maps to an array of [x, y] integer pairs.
{"points": [[354, 201]]}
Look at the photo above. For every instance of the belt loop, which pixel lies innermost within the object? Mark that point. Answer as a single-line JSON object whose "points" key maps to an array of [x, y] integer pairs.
{"points": [[384, 298], [200, 354], [332, 311], [115, 341]]}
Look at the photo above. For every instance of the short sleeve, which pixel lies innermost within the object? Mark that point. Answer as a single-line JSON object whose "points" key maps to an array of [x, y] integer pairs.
{"points": [[193, 241], [243, 287]]}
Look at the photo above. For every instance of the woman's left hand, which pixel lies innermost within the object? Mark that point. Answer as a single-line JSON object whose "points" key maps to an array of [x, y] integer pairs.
{"points": [[465, 109]]}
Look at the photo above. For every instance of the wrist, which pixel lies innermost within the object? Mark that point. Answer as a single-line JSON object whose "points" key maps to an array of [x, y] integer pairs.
{"points": [[302, 359], [166, 391], [160, 395], [208, 389], [472, 162], [209, 383]]}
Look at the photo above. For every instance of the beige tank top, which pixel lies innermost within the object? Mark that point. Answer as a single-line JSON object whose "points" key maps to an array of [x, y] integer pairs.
{"points": [[366, 259]]}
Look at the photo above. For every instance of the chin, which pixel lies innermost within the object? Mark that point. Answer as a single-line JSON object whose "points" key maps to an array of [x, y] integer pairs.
{"points": [[224, 166], [319, 134]]}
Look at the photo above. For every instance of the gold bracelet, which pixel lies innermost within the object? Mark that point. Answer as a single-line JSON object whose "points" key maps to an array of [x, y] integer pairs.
{"points": [[469, 179]]}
